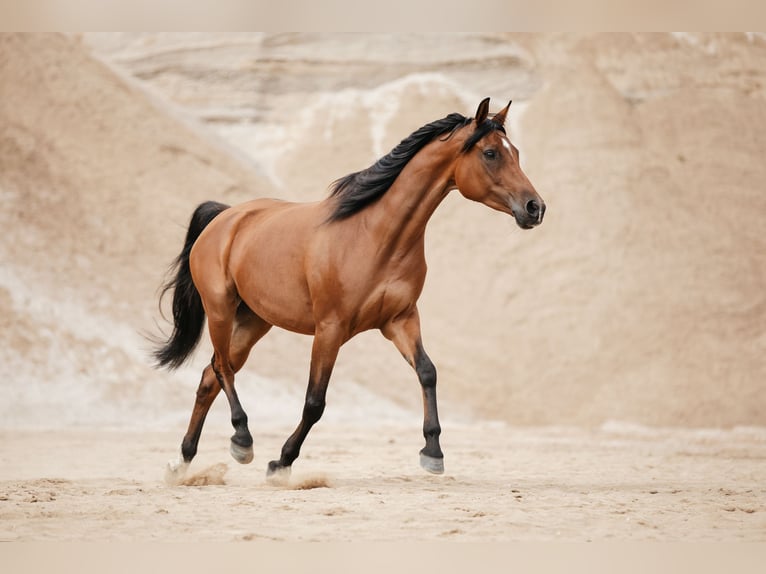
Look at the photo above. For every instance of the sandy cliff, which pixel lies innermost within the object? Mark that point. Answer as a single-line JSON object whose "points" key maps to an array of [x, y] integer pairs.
{"points": [[642, 298]]}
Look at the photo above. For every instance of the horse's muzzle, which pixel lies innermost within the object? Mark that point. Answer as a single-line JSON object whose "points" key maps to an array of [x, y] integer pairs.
{"points": [[531, 215]]}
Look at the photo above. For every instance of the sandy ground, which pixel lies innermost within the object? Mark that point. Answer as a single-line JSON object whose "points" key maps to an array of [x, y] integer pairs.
{"points": [[363, 484]]}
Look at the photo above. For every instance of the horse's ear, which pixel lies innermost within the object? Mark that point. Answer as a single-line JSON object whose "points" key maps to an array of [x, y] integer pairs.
{"points": [[482, 111], [499, 117]]}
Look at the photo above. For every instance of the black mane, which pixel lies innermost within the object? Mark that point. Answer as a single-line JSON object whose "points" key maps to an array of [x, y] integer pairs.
{"points": [[357, 190]]}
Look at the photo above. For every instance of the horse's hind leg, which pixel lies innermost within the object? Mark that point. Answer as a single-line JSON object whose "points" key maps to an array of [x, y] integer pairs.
{"points": [[248, 330], [206, 393], [226, 362], [405, 334]]}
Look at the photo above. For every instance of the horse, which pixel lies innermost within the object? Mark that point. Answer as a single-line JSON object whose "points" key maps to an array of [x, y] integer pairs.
{"points": [[352, 262]]}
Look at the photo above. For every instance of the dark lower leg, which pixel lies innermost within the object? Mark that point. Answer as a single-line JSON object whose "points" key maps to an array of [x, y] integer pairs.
{"points": [[431, 429], [312, 412], [241, 436], [206, 393], [323, 355], [248, 329], [405, 334]]}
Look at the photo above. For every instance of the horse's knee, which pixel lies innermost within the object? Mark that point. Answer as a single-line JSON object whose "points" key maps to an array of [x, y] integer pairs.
{"points": [[426, 372], [313, 409]]}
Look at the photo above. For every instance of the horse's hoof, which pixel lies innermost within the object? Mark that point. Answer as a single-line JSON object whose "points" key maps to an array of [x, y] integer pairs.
{"points": [[431, 464], [278, 474], [175, 471], [242, 454]]}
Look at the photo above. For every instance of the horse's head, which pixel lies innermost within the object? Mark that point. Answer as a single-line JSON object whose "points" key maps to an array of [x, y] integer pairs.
{"points": [[488, 170]]}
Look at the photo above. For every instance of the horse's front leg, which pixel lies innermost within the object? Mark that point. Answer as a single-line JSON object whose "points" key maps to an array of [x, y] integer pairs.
{"points": [[327, 342], [404, 331]]}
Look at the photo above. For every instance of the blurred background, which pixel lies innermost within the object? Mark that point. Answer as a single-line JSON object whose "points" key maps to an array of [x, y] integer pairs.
{"points": [[640, 301]]}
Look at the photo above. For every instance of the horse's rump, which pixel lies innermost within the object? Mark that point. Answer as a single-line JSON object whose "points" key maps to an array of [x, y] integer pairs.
{"points": [[257, 252]]}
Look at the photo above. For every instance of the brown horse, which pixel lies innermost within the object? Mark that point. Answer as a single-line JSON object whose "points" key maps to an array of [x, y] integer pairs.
{"points": [[333, 269]]}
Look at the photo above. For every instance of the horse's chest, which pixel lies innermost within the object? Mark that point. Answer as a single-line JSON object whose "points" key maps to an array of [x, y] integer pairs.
{"points": [[388, 298]]}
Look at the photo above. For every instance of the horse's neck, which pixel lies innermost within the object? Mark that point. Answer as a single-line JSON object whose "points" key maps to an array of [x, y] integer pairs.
{"points": [[401, 215]]}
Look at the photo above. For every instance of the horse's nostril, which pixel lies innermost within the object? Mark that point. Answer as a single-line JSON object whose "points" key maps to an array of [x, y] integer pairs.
{"points": [[533, 208]]}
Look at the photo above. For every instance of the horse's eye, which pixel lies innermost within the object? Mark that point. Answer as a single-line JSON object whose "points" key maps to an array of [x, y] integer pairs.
{"points": [[490, 154]]}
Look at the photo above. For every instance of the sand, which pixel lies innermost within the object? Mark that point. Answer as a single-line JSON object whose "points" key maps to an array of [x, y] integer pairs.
{"points": [[616, 355], [363, 484]]}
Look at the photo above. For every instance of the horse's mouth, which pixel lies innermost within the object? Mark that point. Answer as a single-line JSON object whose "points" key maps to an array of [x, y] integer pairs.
{"points": [[526, 220], [527, 223]]}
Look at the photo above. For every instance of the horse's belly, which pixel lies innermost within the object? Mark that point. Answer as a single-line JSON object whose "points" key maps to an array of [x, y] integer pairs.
{"points": [[293, 316]]}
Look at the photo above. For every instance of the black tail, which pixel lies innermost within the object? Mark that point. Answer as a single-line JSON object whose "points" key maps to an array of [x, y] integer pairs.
{"points": [[188, 312]]}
